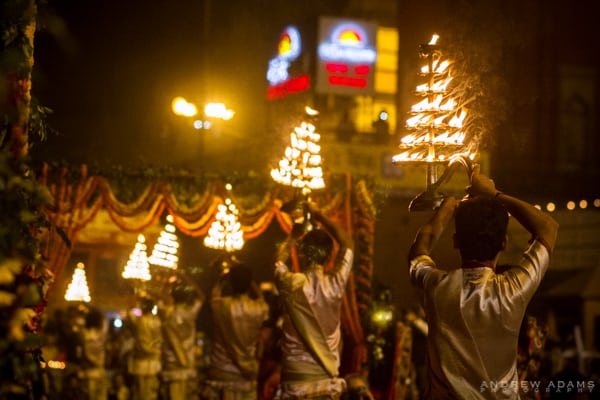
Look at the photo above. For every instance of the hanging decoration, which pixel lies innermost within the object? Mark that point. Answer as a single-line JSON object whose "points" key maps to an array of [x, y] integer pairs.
{"points": [[300, 166], [75, 203], [437, 129], [137, 266], [78, 288], [225, 233], [164, 253]]}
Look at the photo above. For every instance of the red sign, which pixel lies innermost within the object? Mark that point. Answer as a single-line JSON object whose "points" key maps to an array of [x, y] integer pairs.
{"points": [[346, 56]]}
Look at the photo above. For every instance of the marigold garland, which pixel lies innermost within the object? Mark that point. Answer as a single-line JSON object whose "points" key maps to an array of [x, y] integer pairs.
{"points": [[74, 206]]}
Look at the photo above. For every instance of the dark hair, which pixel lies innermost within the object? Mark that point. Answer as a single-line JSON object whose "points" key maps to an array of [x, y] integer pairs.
{"points": [[183, 294], [357, 387], [146, 305], [481, 224], [94, 318], [240, 277], [316, 245]]}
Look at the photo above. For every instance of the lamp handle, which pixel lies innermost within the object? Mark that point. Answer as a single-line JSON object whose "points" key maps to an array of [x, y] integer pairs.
{"points": [[449, 171]]}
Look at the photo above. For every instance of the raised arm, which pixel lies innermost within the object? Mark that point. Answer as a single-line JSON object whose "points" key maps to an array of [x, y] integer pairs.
{"points": [[185, 277], [541, 225], [284, 249], [255, 291], [431, 231], [217, 289], [337, 232]]}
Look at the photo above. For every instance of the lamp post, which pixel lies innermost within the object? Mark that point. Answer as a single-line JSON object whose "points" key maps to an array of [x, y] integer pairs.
{"points": [[211, 112]]}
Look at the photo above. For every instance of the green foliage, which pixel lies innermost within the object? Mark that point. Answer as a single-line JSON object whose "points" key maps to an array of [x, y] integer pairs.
{"points": [[21, 199], [15, 48], [37, 120], [21, 222]]}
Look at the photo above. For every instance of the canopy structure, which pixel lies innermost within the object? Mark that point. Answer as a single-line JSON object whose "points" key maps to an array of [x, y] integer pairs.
{"points": [[76, 202]]}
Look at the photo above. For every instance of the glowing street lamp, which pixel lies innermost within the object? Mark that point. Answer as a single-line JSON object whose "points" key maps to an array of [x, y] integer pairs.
{"points": [[183, 108], [219, 111], [212, 112], [437, 127]]}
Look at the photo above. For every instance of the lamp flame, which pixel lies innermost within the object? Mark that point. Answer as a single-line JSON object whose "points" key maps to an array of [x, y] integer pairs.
{"points": [[436, 123], [437, 133], [301, 165]]}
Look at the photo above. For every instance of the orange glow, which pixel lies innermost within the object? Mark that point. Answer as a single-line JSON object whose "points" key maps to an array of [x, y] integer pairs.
{"points": [[285, 44], [181, 106], [301, 165], [350, 37], [437, 129]]}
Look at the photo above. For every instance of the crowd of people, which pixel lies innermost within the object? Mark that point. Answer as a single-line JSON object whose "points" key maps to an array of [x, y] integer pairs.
{"points": [[467, 340]]}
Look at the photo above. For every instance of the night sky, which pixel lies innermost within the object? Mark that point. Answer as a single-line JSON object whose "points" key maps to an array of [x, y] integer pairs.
{"points": [[104, 68], [110, 68]]}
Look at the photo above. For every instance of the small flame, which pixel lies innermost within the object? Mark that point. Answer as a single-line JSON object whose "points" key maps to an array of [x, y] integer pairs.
{"points": [[311, 111], [457, 121], [436, 122], [439, 86], [437, 67]]}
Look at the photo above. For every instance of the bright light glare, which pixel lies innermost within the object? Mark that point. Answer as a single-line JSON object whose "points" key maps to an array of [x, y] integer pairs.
{"points": [[311, 111], [181, 106], [218, 110]]}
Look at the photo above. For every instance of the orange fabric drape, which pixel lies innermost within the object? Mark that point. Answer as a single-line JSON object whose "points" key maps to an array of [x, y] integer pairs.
{"points": [[74, 205]]}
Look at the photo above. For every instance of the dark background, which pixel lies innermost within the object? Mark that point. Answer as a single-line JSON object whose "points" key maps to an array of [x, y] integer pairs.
{"points": [[109, 70]]}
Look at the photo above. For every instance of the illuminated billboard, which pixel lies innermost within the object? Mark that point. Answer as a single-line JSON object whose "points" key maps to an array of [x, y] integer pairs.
{"points": [[283, 79], [346, 56]]}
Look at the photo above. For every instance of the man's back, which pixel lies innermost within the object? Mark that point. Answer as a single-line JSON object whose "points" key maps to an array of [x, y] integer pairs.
{"points": [[312, 300], [322, 294], [474, 318], [238, 321], [475, 314], [179, 326]]}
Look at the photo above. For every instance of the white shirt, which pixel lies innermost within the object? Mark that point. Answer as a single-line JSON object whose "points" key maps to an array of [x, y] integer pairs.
{"points": [[474, 318]]}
